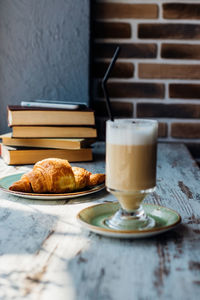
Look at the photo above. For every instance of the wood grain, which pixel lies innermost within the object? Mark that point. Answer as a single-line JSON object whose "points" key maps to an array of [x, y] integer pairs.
{"points": [[45, 254]]}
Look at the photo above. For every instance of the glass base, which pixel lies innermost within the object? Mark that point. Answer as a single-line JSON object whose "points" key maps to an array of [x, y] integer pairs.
{"points": [[134, 220]]}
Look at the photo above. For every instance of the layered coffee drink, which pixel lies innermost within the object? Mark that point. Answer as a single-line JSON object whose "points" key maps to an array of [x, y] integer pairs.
{"points": [[131, 160]]}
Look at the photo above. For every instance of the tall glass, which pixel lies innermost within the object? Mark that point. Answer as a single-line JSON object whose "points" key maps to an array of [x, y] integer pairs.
{"points": [[131, 147]]}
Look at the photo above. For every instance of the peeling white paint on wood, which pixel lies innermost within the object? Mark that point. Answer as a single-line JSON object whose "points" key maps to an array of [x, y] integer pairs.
{"points": [[45, 254]]}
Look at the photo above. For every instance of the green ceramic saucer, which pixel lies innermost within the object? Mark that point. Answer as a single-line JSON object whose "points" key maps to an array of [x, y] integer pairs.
{"points": [[93, 218]]}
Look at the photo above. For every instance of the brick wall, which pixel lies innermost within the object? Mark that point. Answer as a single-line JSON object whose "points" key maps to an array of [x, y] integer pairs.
{"points": [[157, 74]]}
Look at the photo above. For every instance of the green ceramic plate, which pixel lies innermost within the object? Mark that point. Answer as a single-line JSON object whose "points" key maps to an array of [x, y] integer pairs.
{"points": [[93, 218], [6, 181]]}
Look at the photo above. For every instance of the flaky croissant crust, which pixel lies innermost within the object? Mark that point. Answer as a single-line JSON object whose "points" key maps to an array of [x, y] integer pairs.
{"points": [[55, 175]]}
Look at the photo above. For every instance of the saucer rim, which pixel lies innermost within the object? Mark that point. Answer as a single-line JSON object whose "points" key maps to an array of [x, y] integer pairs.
{"points": [[129, 232]]}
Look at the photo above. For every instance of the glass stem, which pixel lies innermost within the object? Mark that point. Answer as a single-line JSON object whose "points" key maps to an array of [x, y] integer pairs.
{"points": [[138, 213]]}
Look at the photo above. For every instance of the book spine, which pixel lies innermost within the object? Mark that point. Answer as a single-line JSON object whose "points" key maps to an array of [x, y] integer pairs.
{"points": [[50, 117], [41, 143], [22, 157], [53, 132]]}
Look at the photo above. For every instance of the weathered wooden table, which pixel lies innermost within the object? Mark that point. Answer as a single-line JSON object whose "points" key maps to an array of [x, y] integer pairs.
{"points": [[45, 254]]}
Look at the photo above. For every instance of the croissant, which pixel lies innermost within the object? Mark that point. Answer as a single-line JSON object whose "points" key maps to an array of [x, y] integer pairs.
{"points": [[54, 175]]}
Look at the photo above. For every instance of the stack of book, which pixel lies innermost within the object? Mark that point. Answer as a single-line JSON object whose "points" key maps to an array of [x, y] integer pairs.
{"points": [[39, 133]]}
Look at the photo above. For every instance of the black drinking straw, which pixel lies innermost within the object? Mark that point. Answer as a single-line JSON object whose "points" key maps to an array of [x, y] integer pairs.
{"points": [[105, 79]]}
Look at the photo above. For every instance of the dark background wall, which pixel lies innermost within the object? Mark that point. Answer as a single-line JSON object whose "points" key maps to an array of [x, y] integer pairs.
{"points": [[44, 51]]}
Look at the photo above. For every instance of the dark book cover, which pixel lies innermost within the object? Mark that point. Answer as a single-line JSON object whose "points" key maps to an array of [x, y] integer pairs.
{"points": [[35, 108]]}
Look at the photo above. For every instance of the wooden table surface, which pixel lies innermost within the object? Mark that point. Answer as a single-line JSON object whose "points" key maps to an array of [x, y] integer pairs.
{"points": [[45, 254]]}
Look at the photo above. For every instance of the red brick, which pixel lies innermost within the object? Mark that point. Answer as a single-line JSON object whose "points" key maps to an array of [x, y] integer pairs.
{"points": [[169, 71], [134, 90], [162, 129], [181, 11], [119, 109], [185, 130], [180, 51], [169, 31], [159, 110], [184, 91], [128, 50], [120, 70], [125, 10], [112, 30]]}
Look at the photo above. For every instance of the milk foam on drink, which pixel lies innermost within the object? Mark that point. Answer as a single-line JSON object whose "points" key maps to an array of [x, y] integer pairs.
{"points": [[131, 155], [128, 132]]}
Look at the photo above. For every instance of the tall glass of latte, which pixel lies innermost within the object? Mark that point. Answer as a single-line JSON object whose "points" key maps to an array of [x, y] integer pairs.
{"points": [[131, 146]]}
